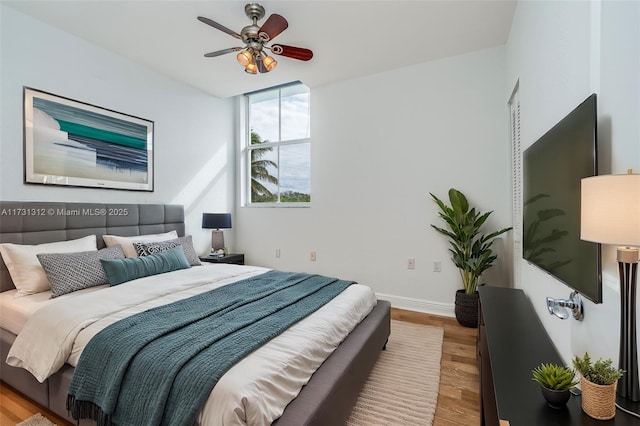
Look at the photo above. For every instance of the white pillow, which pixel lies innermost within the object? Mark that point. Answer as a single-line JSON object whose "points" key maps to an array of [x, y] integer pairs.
{"points": [[127, 242], [25, 269]]}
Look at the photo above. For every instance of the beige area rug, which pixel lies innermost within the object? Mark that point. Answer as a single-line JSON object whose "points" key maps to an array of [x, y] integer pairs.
{"points": [[36, 420], [403, 386]]}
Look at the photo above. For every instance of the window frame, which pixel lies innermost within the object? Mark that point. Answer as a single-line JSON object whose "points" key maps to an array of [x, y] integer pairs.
{"points": [[247, 148]]}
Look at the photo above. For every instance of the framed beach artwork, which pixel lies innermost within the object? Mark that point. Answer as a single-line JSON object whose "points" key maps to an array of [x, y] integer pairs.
{"points": [[72, 143]]}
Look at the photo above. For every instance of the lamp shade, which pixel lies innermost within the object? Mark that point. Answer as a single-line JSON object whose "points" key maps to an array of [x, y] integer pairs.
{"points": [[269, 62], [610, 209], [251, 68], [216, 220], [244, 58]]}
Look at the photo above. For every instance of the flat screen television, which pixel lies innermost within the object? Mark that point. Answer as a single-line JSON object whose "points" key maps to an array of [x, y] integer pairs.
{"points": [[552, 169]]}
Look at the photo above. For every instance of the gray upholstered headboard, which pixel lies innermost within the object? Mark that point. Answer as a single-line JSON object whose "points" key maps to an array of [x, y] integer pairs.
{"points": [[26, 222]]}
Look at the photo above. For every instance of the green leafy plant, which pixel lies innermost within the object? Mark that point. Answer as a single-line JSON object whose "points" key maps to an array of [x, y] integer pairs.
{"points": [[601, 372], [261, 170], [470, 248], [554, 376]]}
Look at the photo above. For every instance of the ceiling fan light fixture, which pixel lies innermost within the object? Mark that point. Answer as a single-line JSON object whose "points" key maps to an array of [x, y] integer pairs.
{"points": [[244, 58], [253, 56], [251, 68], [269, 62]]}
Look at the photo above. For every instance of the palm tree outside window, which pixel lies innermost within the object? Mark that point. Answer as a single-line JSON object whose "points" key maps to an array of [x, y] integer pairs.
{"points": [[279, 146]]}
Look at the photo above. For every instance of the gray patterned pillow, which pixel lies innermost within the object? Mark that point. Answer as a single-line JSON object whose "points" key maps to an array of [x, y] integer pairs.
{"points": [[69, 272], [145, 249]]}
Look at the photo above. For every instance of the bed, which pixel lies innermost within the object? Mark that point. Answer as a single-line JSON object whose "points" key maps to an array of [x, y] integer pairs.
{"points": [[327, 397]]}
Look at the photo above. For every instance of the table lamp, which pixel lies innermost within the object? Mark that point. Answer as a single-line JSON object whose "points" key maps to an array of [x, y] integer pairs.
{"points": [[216, 221], [610, 214]]}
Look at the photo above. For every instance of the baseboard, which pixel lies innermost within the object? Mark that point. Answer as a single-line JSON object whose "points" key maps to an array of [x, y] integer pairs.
{"points": [[419, 305]]}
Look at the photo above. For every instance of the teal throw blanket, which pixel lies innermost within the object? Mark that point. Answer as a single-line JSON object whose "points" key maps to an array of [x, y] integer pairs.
{"points": [[159, 366]]}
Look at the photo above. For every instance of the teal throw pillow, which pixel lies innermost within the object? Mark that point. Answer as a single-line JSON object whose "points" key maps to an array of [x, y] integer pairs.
{"points": [[122, 270]]}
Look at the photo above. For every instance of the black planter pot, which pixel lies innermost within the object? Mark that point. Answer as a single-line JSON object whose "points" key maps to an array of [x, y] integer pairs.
{"points": [[555, 398], [466, 308]]}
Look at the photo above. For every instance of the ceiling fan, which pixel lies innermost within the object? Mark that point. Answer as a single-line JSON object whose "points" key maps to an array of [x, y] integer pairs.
{"points": [[254, 56]]}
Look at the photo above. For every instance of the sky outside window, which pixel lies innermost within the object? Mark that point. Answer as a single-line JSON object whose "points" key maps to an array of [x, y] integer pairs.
{"points": [[282, 120]]}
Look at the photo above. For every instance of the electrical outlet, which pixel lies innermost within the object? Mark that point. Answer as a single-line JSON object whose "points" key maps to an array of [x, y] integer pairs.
{"points": [[437, 266], [312, 256], [411, 264], [277, 253]]}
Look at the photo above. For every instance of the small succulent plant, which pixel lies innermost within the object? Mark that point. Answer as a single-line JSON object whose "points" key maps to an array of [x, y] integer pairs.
{"points": [[553, 376], [601, 372]]}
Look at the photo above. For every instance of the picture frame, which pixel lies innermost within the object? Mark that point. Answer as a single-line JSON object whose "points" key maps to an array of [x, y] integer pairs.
{"points": [[73, 143]]}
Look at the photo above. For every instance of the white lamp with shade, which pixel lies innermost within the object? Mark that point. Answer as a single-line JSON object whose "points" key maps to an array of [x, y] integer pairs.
{"points": [[610, 214]]}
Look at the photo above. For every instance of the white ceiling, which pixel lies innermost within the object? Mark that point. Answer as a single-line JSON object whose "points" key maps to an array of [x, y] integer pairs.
{"points": [[349, 38]]}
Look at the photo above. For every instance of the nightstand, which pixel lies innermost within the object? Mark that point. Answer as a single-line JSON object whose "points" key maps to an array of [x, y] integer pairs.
{"points": [[235, 258]]}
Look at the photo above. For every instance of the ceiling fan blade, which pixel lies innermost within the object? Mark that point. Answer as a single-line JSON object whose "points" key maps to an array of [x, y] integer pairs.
{"points": [[222, 52], [299, 53], [273, 26], [219, 27]]}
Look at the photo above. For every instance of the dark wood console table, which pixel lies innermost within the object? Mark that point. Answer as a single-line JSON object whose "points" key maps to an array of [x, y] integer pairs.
{"points": [[511, 343]]}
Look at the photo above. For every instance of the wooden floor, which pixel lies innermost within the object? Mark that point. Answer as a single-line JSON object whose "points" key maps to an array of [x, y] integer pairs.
{"points": [[459, 393], [458, 400]]}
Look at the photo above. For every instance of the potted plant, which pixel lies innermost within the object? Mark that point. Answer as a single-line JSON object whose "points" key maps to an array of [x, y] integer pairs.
{"points": [[555, 382], [470, 249], [598, 382]]}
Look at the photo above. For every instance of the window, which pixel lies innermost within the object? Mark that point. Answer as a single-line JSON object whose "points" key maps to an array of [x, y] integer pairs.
{"points": [[278, 147], [516, 166], [516, 181]]}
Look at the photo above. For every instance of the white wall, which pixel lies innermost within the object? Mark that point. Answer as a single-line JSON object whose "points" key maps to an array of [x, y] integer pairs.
{"points": [[194, 132], [560, 52], [380, 144]]}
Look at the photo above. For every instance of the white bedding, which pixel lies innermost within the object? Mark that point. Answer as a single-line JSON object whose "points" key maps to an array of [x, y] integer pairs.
{"points": [[254, 392], [16, 309]]}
